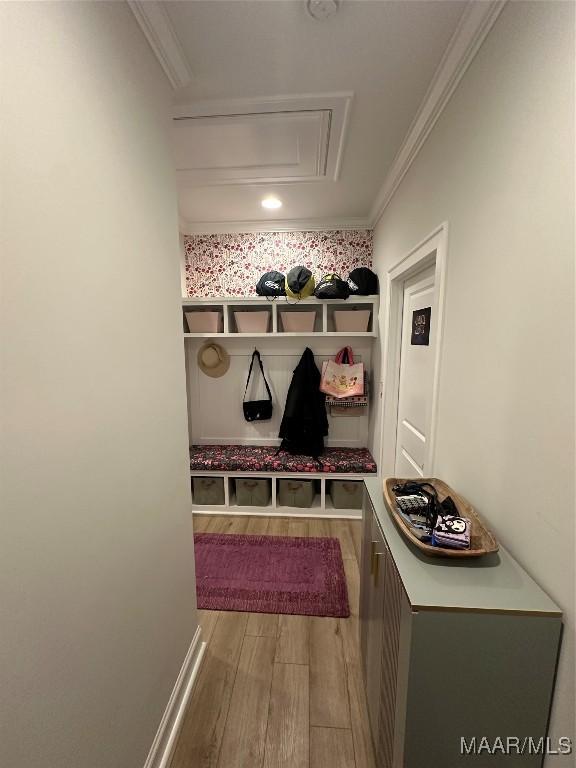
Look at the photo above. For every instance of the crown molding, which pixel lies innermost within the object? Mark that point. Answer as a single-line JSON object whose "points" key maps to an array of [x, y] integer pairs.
{"points": [[154, 21], [270, 225], [476, 22]]}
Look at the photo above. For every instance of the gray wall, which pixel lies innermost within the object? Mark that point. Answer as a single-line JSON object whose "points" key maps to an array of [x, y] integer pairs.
{"points": [[97, 598], [499, 167]]}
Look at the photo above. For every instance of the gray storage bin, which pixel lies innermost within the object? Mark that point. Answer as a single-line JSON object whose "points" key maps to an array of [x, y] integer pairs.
{"points": [[208, 490], [296, 493], [346, 494], [253, 492]]}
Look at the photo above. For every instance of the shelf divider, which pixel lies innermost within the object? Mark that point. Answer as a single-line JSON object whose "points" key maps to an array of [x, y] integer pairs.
{"points": [[227, 494]]}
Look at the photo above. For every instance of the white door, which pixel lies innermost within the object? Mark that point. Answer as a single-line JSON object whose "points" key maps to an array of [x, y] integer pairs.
{"points": [[416, 380]]}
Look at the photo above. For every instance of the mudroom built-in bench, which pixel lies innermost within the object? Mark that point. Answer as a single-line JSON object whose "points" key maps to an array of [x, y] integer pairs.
{"points": [[225, 448], [334, 477]]}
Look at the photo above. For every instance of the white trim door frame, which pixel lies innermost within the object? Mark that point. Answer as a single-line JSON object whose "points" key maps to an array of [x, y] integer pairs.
{"points": [[431, 251]]}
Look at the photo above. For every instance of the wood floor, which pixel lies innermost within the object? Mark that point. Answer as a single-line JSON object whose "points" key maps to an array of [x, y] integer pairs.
{"points": [[279, 691]]}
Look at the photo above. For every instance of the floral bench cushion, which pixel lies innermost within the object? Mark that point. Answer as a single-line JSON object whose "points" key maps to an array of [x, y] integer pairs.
{"points": [[264, 458]]}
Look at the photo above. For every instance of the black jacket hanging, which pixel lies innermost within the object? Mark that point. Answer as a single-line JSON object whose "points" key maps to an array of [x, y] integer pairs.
{"points": [[304, 424]]}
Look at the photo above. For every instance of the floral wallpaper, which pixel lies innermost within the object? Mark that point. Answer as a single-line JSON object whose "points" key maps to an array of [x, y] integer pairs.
{"points": [[231, 264]]}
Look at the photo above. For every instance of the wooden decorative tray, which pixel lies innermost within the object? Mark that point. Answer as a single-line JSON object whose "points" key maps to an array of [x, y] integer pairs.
{"points": [[482, 540]]}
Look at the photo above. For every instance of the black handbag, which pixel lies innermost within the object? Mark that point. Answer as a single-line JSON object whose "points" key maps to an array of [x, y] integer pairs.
{"points": [[257, 410]]}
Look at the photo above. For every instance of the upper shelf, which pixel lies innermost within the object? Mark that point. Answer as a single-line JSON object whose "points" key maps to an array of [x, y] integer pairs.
{"points": [[258, 317], [281, 300]]}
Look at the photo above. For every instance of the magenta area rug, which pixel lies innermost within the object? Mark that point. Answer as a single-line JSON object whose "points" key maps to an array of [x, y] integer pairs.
{"points": [[270, 574]]}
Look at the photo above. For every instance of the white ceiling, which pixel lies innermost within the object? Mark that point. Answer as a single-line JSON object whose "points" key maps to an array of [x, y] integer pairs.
{"points": [[243, 54]]}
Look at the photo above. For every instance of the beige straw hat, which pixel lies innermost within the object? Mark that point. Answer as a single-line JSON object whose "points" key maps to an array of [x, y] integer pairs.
{"points": [[213, 360]]}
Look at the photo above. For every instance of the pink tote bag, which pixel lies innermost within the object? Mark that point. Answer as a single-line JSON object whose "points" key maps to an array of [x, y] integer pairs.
{"points": [[341, 379]]}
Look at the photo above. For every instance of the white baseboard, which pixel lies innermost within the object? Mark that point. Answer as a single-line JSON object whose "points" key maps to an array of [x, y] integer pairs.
{"points": [[165, 739], [292, 512]]}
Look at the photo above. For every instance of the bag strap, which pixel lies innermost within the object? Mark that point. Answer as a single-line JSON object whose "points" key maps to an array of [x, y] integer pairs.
{"points": [[257, 354], [345, 356]]}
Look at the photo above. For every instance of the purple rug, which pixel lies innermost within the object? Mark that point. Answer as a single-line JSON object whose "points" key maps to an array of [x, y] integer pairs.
{"points": [[270, 574]]}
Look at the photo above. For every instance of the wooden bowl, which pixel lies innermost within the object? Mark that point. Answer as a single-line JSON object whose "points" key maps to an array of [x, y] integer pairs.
{"points": [[482, 540]]}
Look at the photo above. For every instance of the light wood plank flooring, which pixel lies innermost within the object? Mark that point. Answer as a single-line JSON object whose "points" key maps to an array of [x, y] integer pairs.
{"points": [[279, 691]]}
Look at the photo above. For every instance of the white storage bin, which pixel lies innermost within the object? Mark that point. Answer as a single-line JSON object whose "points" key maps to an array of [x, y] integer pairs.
{"points": [[203, 322], [298, 322], [351, 319], [252, 322]]}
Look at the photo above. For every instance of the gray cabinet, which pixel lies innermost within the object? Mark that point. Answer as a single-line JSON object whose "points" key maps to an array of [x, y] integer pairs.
{"points": [[372, 659], [450, 651]]}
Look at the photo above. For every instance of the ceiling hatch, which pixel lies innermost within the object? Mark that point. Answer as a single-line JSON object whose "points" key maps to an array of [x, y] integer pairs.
{"points": [[243, 141]]}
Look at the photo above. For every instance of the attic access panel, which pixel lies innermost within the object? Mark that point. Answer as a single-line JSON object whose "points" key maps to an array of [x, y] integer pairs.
{"points": [[242, 141]]}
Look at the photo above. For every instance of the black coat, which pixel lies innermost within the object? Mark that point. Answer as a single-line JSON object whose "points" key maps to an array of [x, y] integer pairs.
{"points": [[304, 423]]}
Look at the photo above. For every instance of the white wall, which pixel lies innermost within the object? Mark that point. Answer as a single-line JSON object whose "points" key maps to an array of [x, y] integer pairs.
{"points": [[499, 167], [97, 597]]}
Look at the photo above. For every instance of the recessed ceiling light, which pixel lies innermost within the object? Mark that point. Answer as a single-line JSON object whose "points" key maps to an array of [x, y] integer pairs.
{"points": [[322, 9], [271, 202]]}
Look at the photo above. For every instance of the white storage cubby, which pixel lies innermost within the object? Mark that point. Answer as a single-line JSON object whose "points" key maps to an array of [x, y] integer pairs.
{"points": [[323, 315], [211, 315], [355, 310], [344, 494], [292, 316], [242, 315], [290, 493], [321, 504], [208, 491], [236, 495]]}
